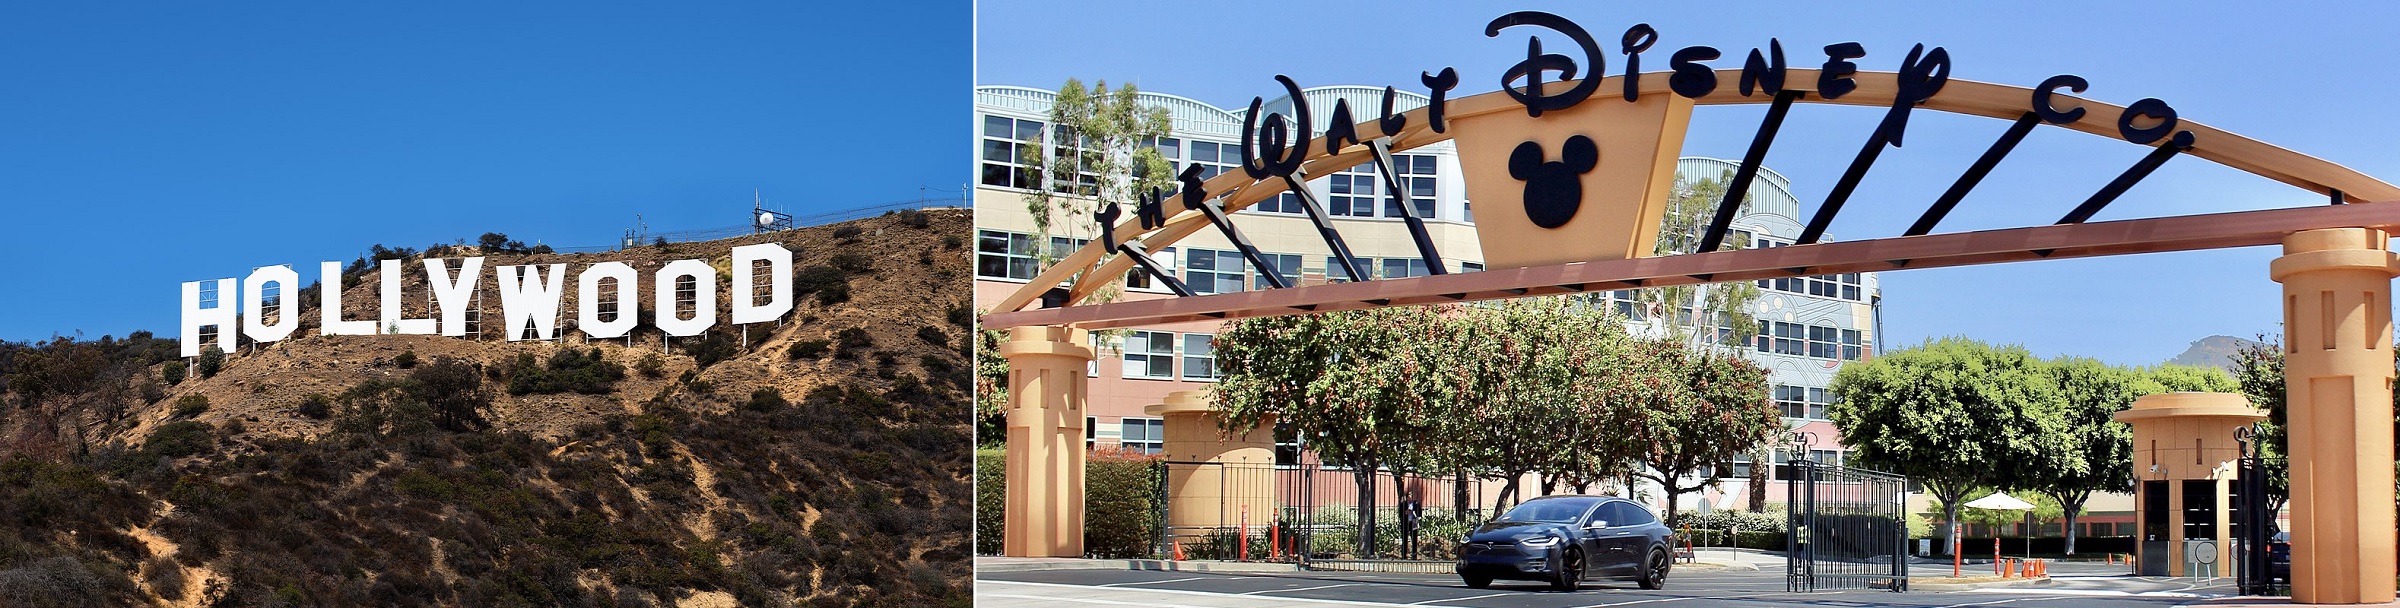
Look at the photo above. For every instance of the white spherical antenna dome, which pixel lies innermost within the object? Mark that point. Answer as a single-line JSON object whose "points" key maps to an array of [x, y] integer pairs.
{"points": [[766, 219]]}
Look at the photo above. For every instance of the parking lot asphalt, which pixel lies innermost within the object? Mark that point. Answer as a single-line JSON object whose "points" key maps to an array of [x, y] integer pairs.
{"points": [[1065, 588]]}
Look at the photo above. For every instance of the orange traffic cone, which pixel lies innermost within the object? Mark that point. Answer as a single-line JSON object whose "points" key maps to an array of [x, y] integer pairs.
{"points": [[1179, 550]]}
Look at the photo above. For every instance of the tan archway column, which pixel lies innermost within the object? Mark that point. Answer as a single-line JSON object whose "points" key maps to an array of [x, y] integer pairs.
{"points": [[1212, 477], [2337, 286], [1046, 392], [2180, 438]]}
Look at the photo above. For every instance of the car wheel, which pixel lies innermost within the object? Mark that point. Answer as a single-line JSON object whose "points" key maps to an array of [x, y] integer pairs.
{"points": [[1477, 581], [1570, 571], [1654, 576]]}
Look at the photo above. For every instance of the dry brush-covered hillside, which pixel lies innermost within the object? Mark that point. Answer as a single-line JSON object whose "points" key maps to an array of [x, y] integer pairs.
{"points": [[819, 461]]}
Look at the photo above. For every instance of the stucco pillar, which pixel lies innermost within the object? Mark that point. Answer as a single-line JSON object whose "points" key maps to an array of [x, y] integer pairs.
{"points": [[2182, 437], [2337, 286], [1046, 393], [1212, 476]]}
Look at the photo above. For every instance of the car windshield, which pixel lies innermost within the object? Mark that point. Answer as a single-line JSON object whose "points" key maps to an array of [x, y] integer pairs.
{"points": [[1564, 511]]}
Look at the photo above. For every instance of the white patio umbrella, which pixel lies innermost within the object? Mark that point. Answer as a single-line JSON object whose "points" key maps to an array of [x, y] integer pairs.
{"points": [[2001, 501]]}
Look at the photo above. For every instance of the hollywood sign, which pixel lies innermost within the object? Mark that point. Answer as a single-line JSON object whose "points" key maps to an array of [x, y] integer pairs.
{"points": [[529, 294]]}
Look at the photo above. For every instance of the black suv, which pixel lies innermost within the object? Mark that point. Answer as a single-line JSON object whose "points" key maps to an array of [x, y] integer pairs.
{"points": [[1564, 540]]}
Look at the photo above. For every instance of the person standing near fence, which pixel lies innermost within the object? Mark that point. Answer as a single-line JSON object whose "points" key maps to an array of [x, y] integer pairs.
{"points": [[1411, 510]]}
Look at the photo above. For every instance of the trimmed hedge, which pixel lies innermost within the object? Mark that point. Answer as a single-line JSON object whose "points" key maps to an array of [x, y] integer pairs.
{"points": [[1121, 503], [991, 496]]}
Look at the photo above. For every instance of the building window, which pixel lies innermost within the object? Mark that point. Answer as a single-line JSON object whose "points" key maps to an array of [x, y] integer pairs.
{"points": [[1401, 268], [1793, 400], [1287, 265], [1075, 163], [1147, 435], [1006, 144], [1215, 158], [1823, 342], [1335, 272], [1199, 357], [1169, 148], [1352, 192], [1851, 345], [1415, 173], [1208, 271], [1850, 287], [1624, 302], [1091, 433], [1140, 280], [1782, 338], [1470, 266], [1150, 354], [1004, 255]]}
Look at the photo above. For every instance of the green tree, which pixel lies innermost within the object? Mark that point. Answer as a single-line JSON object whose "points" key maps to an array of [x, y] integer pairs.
{"points": [[1357, 386], [2258, 369], [1097, 151], [212, 359], [991, 388], [1954, 413], [454, 390], [1709, 314], [1541, 384], [2089, 396], [1711, 406]]}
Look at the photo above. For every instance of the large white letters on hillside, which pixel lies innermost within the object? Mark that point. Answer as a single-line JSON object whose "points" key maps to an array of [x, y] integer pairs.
{"points": [[254, 312], [392, 321], [529, 295], [329, 291], [451, 296], [195, 317], [625, 295], [745, 290], [704, 298]]}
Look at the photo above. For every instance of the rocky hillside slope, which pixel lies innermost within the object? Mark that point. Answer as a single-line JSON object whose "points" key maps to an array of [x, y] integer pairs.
{"points": [[822, 460]]}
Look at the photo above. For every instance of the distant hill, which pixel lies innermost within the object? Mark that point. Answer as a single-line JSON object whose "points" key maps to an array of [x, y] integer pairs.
{"points": [[2212, 351], [825, 463]]}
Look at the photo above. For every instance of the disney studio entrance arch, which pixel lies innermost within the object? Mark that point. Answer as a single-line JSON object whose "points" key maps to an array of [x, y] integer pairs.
{"points": [[1573, 173]]}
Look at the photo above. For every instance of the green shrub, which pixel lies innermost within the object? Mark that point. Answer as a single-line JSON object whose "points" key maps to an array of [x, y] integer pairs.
{"points": [[212, 360], [847, 232], [570, 370], [1121, 504], [180, 438], [651, 366], [915, 218], [316, 406], [809, 349], [952, 241], [174, 371], [933, 335], [406, 360], [830, 285], [853, 339], [191, 405], [991, 498], [853, 262], [766, 400], [713, 348]]}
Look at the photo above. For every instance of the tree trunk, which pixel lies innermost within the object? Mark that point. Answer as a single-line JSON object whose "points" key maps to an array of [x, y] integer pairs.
{"points": [[1758, 480], [1950, 513], [1673, 498], [1458, 494], [2072, 508], [1365, 476]]}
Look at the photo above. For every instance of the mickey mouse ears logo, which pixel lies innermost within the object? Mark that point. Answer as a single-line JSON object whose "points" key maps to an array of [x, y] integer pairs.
{"points": [[1553, 189]]}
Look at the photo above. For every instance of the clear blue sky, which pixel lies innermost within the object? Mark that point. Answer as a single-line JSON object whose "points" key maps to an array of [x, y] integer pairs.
{"points": [[2316, 79], [146, 145]]}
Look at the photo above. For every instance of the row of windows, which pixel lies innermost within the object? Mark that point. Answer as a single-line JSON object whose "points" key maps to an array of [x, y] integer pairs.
{"points": [[1147, 435], [1009, 255], [1818, 341], [1152, 355], [1353, 192], [1845, 286], [1801, 401]]}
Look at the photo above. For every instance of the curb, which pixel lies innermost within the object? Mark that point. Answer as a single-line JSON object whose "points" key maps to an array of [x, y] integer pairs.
{"points": [[1926, 585]]}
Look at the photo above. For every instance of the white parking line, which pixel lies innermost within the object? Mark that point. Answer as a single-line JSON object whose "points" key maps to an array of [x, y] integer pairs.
{"points": [[1297, 590], [1457, 599], [1044, 598], [1172, 580], [1669, 599]]}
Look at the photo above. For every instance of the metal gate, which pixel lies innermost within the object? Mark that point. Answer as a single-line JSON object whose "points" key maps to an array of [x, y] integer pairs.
{"points": [[1849, 529], [2257, 570]]}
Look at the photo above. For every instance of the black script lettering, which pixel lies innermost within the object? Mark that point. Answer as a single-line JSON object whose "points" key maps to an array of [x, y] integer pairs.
{"points": [[1637, 39], [1282, 153], [2150, 107], [1536, 63], [1763, 74], [1833, 81], [2050, 113], [1391, 123], [1919, 81], [1691, 79], [1343, 128], [1107, 218], [1437, 114]]}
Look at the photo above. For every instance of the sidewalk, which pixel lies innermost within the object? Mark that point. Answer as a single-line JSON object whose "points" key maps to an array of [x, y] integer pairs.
{"points": [[1032, 564]]}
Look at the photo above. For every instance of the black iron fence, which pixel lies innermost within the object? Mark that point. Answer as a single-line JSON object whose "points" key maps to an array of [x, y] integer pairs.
{"points": [[1310, 513], [2259, 569], [1848, 530]]}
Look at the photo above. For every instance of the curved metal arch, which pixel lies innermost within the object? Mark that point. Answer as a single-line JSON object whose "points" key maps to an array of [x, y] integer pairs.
{"points": [[1998, 101]]}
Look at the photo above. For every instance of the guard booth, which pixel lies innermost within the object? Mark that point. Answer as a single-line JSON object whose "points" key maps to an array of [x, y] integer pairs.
{"points": [[1220, 487], [2185, 459]]}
